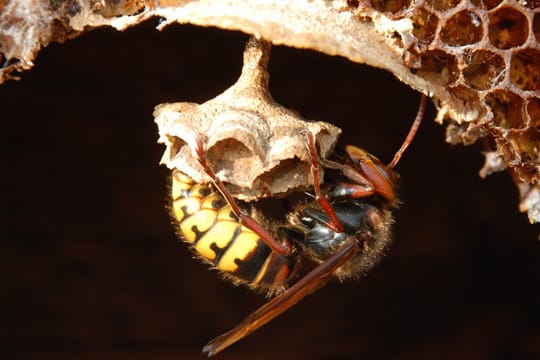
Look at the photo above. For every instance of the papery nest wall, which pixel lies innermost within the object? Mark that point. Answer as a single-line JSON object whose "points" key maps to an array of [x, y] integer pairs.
{"points": [[255, 145]]}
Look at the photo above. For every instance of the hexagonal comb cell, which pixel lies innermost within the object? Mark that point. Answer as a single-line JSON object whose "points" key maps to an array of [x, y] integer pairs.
{"points": [[508, 28], [486, 4], [425, 25], [525, 144], [533, 109], [464, 93], [437, 63], [463, 28], [507, 109], [484, 69], [525, 69], [531, 4], [391, 6], [442, 5]]}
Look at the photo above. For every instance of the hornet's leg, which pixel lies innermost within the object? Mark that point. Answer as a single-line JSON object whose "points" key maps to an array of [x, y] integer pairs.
{"points": [[334, 224], [245, 219]]}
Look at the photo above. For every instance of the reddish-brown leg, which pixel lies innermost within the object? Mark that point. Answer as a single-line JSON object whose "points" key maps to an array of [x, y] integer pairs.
{"points": [[245, 219], [334, 224], [361, 185]]}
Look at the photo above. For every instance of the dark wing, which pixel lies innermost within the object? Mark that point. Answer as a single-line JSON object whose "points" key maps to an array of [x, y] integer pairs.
{"points": [[314, 280]]}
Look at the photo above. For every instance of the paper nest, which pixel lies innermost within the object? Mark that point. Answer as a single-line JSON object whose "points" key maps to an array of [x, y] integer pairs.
{"points": [[257, 147]]}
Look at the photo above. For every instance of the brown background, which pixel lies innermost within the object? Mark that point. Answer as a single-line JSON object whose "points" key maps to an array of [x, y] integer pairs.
{"points": [[90, 267]]}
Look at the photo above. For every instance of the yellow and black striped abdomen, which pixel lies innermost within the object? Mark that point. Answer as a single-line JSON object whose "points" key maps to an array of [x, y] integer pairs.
{"points": [[206, 222]]}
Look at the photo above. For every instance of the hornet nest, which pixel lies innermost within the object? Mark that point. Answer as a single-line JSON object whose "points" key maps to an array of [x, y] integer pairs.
{"points": [[255, 145]]}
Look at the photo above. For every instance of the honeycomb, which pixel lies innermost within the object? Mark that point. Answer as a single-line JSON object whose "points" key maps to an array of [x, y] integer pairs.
{"points": [[486, 51]]}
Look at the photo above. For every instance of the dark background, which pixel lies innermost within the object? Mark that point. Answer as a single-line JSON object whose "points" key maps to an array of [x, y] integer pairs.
{"points": [[90, 267]]}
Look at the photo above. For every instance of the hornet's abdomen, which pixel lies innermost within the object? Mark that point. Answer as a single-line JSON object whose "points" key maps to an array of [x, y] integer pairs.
{"points": [[207, 223]]}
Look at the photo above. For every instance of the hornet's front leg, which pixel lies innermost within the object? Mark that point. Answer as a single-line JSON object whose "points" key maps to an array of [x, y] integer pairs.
{"points": [[245, 219]]}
